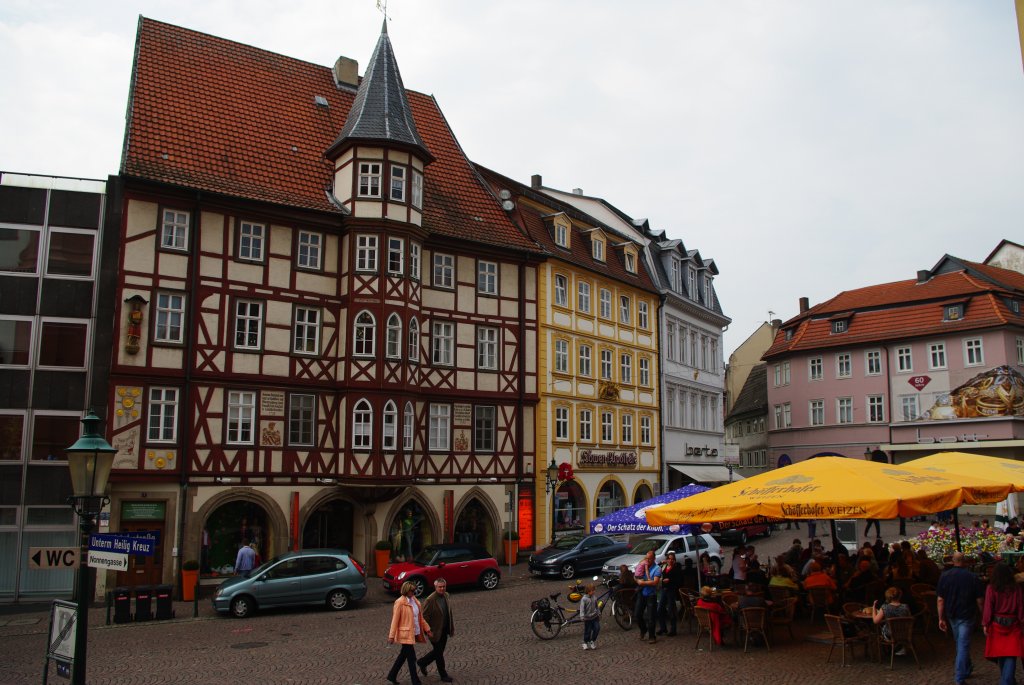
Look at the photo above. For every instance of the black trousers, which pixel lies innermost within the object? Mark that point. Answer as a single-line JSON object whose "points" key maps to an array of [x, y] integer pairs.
{"points": [[873, 522], [436, 655], [408, 655]]}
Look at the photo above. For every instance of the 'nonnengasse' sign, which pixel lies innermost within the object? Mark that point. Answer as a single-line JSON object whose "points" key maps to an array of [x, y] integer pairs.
{"points": [[919, 382]]}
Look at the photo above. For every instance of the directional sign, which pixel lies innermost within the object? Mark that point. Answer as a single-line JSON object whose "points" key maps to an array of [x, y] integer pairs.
{"points": [[108, 560], [139, 545], [52, 557]]}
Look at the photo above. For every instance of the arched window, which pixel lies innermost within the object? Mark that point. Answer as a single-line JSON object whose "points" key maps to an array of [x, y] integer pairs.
{"points": [[414, 340], [365, 335], [390, 432], [408, 427], [394, 347], [362, 426]]}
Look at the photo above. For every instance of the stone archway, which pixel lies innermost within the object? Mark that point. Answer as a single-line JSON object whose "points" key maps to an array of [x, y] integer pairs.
{"points": [[477, 520], [236, 506], [642, 492], [411, 524]]}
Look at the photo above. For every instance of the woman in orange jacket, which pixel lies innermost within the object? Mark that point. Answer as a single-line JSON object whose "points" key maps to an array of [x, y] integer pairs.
{"points": [[407, 628]]}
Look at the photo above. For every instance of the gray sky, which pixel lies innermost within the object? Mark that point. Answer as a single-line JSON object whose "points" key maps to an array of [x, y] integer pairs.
{"points": [[808, 146]]}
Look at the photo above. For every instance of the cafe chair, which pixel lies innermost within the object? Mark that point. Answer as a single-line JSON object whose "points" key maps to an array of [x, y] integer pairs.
{"points": [[851, 608], [901, 630], [917, 588], [782, 615], [704, 627], [779, 593], [687, 602], [817, 597], [753, 621], [835, 629]]}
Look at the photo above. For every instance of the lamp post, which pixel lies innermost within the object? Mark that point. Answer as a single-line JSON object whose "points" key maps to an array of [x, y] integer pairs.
{"points": [[550, 486], [89, 460]]}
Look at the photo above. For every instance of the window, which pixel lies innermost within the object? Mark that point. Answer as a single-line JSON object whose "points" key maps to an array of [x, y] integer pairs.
{"points": [[814, 369], [396, 256], [709, 293], [444, 271], [693, 349], [583, 298], [873, 362], [408, 427], [397, 183], [973, 353], [12, 432], [562, 356], [20, 250], [937, 355], [584, 366], [631, 262], [487, 278], [306, 338], [787, 415], [627, 429], [607, 427], [393, 348], [778, 416], [669, 415], [645, 430], [417, 189], [301, 420], [598, 250], [670, 341], [414, 340], [443, 350], [487, 348], [484, 426], [691, 277], [839, 326], [778, 374], [440, 422], [817, 412], [1020, 351], [310, 246], [876, 408], [561, 235], [561, 288], [626, 368], [561, 423], [606, 365], [241, 417], [250, 241], [641, 315], [586, 425], [248, 325], [606, 303], [844, 409], [362, 426], [645, 371], [909, 407], [366, 253], [844, 365], [365, 335], [785, 373], [369, 179], [15, 341], [174, 230], [953, 312], [624, 309], [70, 253], [414, 260], [170, 314], [62, 344], [904, 360], [52, 433], [163, 415], [389, 432]]}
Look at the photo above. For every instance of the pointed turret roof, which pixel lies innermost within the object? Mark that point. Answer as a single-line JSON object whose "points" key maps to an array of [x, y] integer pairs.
{"points": [[381, 112]]}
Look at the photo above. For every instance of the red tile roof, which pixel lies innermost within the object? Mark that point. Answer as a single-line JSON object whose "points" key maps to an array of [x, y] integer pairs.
{"points": [[227, 118]]}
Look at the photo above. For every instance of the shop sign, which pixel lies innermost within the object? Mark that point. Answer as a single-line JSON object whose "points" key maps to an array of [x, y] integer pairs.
{"points": [[919, 382], [611, 458], [697, 451], [143, 511]]}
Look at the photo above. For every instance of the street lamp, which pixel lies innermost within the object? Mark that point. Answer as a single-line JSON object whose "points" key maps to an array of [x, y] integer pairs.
{"points": [[550, 485], [89, 460]]}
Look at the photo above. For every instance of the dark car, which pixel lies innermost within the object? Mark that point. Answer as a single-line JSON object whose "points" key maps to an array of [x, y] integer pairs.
{"points": [[739, 534], [459, 564], [311, 576], [574, 554]]}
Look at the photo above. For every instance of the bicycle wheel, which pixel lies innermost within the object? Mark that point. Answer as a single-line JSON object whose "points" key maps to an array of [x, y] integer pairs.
{"points": [[623, 616], [545, 629]]}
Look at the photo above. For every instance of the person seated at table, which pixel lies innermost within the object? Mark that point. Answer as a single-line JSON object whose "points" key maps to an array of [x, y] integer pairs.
{"points": [[892, 608], [1009, 544], [784, 576], [898, 570], [1013, 527], [794, 553], [869, 554], [881, 552], [752, 598], [721, 618], [927, 570], [818, 578], [689, 575], [859, 581], [707, 570], [842, 569]]}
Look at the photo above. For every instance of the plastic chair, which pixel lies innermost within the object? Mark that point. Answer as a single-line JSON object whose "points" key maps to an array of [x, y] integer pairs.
{"points": [[901, 631], [835, 629], [753, 622], [704, 626]]}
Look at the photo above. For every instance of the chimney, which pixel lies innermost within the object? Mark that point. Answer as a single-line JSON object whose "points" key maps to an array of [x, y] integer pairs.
{"points": [[577, 191], [923, 276], [805, 304], [776, 324], [346, 72], [536, 181]]}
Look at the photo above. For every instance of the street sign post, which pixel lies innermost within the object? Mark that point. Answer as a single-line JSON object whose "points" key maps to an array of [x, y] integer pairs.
{"points": [[115, 543], [62, 558], [61, 644]]}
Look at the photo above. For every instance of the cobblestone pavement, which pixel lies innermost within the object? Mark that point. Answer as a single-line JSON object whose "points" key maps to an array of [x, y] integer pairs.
{"points": [[493, 644]]}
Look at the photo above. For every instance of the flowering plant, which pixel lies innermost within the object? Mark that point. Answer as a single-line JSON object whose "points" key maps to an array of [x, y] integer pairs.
{"points": [[942, 543]]}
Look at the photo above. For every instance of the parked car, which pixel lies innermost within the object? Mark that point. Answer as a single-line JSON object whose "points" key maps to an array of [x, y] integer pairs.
{"points": [[574, 554], [459, 564], [740, 534], [307, 577], [685, 546]]}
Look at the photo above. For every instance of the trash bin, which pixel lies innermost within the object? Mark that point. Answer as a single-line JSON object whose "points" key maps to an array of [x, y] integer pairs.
{"points": [[143, 603], [164, 606], [122, 605]]}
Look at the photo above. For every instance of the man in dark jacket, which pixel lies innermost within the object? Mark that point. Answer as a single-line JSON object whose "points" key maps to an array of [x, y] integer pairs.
{"points": [[437, 612], [668, 593]]}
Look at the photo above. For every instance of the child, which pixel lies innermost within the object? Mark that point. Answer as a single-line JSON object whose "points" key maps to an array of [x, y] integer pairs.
{"points": [[591, 615]]}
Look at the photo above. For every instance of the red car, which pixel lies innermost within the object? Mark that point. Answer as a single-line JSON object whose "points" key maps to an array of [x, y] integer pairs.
{"points": [[459, 564]]}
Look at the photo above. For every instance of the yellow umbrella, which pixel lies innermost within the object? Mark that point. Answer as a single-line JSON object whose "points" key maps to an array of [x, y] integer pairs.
{"points": [[830, 488], [959, 464]]}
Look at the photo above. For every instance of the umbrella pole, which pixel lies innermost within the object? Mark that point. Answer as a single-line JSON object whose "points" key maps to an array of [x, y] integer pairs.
{"points": [[956, 530], [835, 535]]}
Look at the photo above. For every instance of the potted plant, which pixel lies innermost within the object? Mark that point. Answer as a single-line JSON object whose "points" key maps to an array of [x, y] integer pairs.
{"points": [[510, 540], [189, 579], [382, 553]]}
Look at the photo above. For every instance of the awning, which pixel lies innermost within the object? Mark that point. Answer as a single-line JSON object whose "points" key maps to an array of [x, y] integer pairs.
{"points": [[706, 473]]}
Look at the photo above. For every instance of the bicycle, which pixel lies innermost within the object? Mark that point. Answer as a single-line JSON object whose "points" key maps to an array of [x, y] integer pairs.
{"points": [[547, 621]]}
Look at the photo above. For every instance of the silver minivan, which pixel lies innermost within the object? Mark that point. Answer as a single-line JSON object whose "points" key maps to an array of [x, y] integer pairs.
{"points": [[307, 577]]}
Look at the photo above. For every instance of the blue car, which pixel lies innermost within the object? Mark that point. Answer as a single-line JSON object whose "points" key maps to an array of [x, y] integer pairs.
{"points": [[309, 577]]}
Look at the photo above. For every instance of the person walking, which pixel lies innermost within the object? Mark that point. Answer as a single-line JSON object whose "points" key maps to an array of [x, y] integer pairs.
{"points": [[648, 577], [407, 628], [245, 561], [876, 524], [1001, 619], [960, 595], [437, 612], [590, 612]]}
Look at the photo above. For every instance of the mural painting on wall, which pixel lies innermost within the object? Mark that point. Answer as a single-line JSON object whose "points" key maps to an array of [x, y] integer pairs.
{"points": [[271, 404], [996, 392], [127, 427], [226, 529]]}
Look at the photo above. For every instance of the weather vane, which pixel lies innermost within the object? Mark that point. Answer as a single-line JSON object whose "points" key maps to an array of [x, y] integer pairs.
{"points": [[382, 7]]}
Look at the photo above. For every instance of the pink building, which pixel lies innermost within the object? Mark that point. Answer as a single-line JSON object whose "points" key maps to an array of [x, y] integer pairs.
{"points": [[906, 368]]}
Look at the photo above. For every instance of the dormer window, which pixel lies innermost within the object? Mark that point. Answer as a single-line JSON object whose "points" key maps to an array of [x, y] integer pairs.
{"points": [[953, 312], [369, 179], [789, 334], [691, 278], [840, 326], [631, 262], [709, 294], [1014, 306], [598, 249], [398, 183], [562, 235]]}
